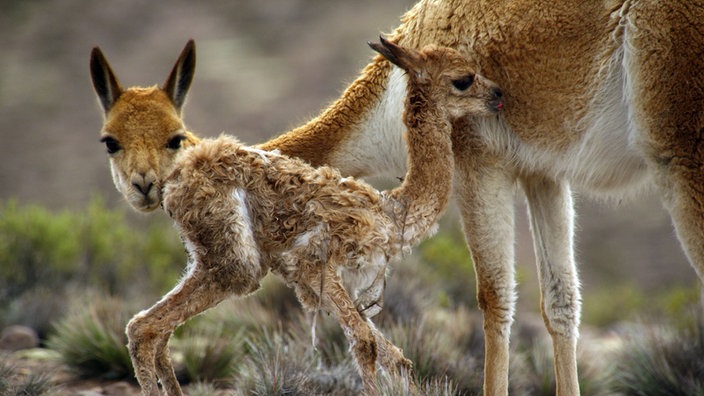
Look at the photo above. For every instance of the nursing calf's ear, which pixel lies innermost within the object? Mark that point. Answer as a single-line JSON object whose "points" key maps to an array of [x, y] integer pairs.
{"points": [[405, 58]]}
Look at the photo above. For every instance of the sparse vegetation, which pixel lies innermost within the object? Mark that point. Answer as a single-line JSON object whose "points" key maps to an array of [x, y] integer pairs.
{"points": [[611, 304], [211, 354], [660, 359], [446, 348], [40, 248], [278, 365], [262, 344], [202, 389], [95, 248], [92, 340], [32, 384], [448, 262]]}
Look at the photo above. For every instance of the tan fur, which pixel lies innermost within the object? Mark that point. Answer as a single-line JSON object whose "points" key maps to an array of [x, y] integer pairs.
{"points": [[602, 96], [243, 212], [143, 122]]}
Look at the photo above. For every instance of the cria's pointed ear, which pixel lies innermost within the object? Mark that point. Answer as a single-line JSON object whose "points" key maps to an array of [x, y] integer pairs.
{"points": [[405, 58], [181, 76], [104, 81]]}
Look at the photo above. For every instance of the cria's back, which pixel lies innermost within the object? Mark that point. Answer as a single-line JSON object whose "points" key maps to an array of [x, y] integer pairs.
{"points": [[277, 197]]}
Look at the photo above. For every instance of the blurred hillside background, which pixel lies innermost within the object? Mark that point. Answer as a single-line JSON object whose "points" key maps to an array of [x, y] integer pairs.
{"points": [[263, 67]]}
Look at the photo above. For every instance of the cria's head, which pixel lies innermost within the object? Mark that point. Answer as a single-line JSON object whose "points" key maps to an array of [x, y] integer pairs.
{"points": [[447, 76], [142, 130]]}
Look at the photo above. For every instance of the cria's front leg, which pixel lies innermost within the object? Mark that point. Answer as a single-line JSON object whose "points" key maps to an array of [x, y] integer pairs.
{"points": [[148, 331], [391, 358], [359, 334]]}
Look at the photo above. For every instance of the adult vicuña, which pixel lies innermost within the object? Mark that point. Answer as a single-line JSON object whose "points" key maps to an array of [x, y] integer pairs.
{"points": [[602, 96], [243, 212]]}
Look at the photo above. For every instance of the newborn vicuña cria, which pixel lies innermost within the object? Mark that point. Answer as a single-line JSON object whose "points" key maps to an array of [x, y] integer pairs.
{"points": [[243, 212]]}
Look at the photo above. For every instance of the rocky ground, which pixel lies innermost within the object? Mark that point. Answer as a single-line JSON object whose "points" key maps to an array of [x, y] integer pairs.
{"points": [[30, 363]]}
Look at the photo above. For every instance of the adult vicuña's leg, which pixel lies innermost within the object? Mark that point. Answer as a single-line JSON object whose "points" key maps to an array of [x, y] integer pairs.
{"points": [[552, 226], [149, 330], [485, 197], [668, 113]]}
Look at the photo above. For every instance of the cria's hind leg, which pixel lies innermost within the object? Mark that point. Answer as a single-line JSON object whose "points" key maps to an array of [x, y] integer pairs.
{"points": [[164, 368], [149, 330], [359, 334]]}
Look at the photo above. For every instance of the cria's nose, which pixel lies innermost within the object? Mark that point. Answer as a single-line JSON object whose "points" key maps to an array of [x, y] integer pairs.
{"points": [[497, 93]]}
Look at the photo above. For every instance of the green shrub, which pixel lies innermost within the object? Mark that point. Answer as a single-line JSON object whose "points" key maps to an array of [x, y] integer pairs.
{"points": [[34, 385], [94, 247], [235, 315], [612, 304], [446, 260], [210, 354], [163, 256], [447, 346], [532, 371], [339, 379], [277, 365], [36, 247], [662, 360], [109, 247], [117, 257], [331, 343], [92, 339]]}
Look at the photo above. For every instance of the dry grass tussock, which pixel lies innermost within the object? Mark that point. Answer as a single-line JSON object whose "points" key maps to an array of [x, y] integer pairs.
{"points": [[262, 344]]}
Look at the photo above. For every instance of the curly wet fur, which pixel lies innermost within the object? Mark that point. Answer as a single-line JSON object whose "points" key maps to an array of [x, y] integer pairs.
{"points": [[243, 212], [603, 97]]}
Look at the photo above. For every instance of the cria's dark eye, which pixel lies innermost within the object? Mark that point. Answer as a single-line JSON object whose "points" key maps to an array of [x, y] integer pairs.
{"points": [[111, 144], [175, 142], [464, 82]]}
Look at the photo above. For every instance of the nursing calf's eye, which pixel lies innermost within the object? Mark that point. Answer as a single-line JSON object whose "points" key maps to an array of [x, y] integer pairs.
{"points": [[463, 83], [175, 142]]}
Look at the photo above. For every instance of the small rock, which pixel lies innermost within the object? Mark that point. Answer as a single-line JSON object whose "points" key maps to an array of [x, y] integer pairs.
{"points": [[15, 338]]}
